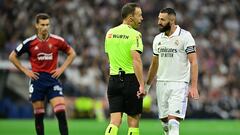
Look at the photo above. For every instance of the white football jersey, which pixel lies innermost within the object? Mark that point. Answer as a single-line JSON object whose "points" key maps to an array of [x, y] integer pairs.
{"points": [[172, 54]]}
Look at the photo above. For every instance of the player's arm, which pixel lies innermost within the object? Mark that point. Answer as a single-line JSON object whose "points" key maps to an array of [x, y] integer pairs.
{"points": [[151, 72], [154, 65], [193, 93], [14, 59], [138, 70], [70, 57]]}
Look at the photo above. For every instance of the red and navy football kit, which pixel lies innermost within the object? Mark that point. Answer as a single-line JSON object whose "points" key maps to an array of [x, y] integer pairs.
{"points": [[43, 56]]}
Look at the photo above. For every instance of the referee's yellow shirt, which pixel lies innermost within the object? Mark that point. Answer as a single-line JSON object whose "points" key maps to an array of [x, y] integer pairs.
{"points": [[119, 42]]}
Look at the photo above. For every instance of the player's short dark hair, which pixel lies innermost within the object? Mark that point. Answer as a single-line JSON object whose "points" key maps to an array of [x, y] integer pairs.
{"points": [[128, 8], [169, 11], [42, 16]]}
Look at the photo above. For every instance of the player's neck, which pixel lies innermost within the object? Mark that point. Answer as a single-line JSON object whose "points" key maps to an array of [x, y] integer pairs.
{"points": [[171, 31], [43, 37]]}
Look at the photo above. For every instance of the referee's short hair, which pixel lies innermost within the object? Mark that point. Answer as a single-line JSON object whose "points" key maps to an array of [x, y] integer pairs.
{"points": [[43, 16], [128, 8], [169, 11]]}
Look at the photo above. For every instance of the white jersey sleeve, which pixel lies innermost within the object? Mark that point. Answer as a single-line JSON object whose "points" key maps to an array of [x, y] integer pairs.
{"points": [[190, 45]]}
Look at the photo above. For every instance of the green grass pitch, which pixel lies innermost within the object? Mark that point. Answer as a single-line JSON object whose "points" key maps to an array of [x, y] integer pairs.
{"points": [[147, 127]]}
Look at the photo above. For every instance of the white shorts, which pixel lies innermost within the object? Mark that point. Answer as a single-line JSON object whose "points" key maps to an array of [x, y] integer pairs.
{"points": [[172, 98]]}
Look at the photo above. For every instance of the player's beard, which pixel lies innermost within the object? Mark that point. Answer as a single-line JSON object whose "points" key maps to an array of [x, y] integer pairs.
{"points": [[165, 28], [43, 35]]}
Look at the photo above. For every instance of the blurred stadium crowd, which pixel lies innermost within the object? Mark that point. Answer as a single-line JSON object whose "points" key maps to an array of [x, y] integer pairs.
{"points": [[215, 25]]}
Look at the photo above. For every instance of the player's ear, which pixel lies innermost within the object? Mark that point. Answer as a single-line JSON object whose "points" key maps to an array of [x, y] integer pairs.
{"points": [[36, 25], [172, 19]]}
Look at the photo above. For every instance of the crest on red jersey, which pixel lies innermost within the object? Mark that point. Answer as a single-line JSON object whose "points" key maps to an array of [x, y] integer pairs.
{"points": [[36, 48], [50, 46]]}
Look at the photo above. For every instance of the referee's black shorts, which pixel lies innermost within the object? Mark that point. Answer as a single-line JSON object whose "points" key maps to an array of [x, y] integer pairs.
{"points": [[122, 94]]}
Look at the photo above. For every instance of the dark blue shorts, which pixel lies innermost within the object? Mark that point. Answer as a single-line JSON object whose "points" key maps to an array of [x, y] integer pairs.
{"points": [[45, 87]]}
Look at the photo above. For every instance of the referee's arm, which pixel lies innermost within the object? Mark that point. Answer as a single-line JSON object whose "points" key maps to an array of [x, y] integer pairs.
{"points": [[138, 70]]}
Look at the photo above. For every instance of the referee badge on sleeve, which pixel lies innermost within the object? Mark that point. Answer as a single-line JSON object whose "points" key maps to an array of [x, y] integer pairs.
{"points": [[137, 41]]}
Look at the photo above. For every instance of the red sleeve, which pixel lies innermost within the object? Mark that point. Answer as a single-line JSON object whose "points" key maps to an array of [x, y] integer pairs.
{"points": [[64, 46]]}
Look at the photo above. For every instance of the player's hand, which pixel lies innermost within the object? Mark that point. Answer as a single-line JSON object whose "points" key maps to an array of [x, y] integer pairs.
{"points": [[56, 73], [146, 88], [32, 75], [193, 93], [141, 92]]}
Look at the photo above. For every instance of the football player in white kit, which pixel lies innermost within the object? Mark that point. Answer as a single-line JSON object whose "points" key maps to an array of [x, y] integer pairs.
{"points": [[175, 62]]}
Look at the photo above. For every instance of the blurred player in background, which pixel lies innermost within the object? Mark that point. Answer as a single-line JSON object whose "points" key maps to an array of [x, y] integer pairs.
{"points": [[123, 45], [43, 55], [175, 62]]}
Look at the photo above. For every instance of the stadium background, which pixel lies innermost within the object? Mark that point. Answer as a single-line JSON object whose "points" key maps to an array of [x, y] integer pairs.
{"points": [[215, 25]]}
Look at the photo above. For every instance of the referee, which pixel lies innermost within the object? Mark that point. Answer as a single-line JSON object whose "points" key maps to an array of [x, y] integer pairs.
{"points": [[123, 45]]}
